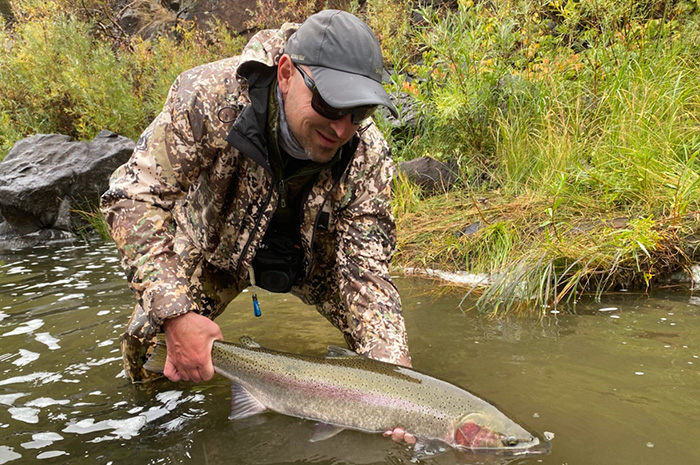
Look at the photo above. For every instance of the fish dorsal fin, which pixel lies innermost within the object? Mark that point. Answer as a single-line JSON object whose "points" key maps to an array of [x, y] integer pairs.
{"points": [[336, 351], [243, 404], [249, 343], [324, 431]]}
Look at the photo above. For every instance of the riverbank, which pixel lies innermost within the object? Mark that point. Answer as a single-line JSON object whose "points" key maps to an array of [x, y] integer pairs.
{"points": [[572, 128], [509, 253]]}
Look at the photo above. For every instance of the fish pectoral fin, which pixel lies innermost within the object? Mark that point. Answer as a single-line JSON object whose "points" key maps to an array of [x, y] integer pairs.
{"points": [[427, 447], [243, 404], [324, 431], [337, 351], [249, 343]]}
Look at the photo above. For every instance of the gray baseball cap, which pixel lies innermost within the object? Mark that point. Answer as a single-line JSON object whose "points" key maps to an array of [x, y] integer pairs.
{"points": [[344, 57]]}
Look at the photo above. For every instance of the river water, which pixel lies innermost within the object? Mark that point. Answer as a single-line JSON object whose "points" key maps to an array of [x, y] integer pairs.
{"points": [[615, 382]]}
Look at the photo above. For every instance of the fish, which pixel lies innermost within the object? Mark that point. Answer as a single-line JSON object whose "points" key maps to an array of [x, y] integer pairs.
{"points": [[345, 390]]}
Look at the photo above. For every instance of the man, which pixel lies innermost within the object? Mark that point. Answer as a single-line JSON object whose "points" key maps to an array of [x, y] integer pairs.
{"points": [[263, 169]]}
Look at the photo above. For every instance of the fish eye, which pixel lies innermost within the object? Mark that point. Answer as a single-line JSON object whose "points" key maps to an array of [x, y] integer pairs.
{"points": [[510, 441]]}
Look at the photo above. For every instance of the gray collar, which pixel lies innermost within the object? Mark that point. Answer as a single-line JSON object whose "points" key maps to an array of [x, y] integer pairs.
{"points": [[286, 139]]}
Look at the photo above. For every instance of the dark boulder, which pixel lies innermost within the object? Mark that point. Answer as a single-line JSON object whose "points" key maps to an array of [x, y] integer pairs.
{"points": [[47, 178], [5, 9], [430, 174]]}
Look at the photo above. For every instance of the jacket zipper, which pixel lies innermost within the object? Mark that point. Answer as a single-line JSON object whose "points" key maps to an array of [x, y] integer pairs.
{"points": [[258, 220], [280, 191]]}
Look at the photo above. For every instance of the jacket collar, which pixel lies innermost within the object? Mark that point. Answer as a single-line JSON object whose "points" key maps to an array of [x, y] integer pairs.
{"points": [[248, 133]]}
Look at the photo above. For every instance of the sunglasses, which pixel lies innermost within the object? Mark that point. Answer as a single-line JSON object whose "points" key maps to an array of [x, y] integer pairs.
{"points": [[357, 114]]}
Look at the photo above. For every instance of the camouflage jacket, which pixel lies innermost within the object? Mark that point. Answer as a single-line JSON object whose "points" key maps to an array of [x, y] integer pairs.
{"points": [[199, 182]]}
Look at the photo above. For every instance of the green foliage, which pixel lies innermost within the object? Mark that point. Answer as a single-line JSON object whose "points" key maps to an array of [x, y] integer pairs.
{"points": [[58, 76], [544, 276], [390, 21], [526, 91], [93, 224], [58, 79], [575, 113], [406, 195], [270, 14]]}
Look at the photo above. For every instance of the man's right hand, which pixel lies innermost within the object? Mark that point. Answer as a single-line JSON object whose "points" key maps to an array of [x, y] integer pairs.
{"points": [[190, 338]]}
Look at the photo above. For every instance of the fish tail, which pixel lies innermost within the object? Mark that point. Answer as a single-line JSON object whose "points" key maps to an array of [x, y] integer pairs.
{"points": [[156, 361]]}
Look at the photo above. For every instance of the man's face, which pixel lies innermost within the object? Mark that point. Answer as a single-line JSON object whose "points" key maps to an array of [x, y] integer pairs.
{"points": [[321, 137]]}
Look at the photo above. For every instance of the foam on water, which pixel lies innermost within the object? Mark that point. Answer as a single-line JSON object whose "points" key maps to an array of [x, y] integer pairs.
{"points": [[43, 402], [121, 429]]}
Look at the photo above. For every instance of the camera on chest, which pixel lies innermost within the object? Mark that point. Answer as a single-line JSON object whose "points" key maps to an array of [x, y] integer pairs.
{"points": [[277, 263]]}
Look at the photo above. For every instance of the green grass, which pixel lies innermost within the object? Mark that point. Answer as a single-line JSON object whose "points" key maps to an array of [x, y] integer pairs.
{"points": [[565, 117]]}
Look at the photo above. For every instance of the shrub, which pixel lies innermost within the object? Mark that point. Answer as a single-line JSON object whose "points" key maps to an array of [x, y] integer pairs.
{"points": [[58, 75]]}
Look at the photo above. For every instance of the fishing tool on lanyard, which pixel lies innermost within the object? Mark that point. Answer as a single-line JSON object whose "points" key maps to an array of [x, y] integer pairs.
{"points": [[256, 305]]}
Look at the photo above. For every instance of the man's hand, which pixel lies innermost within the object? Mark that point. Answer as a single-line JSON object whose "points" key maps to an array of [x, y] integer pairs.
{"points": [[399, 435], [189, 338]]}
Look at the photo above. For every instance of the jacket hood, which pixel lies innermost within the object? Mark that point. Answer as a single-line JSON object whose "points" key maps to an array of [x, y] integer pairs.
{"points": [[263, 51]]}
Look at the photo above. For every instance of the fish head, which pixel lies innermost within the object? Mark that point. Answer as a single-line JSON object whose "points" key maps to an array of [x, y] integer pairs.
{"points": [[491, 430]]}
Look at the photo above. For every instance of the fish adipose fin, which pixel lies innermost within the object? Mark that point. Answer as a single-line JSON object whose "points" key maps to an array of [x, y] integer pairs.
{"points": [[243, 404], [340, 352], [324, 431]]}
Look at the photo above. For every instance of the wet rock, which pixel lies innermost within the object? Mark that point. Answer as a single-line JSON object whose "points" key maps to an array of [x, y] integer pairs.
{"points": [[406, 125], [470, 230], [130, 21], [207, 12], [47, 178], [5, 9], [430, 174]]}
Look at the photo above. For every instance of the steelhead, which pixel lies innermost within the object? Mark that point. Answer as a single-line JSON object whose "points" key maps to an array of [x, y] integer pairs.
{"points": [[346, 390]]}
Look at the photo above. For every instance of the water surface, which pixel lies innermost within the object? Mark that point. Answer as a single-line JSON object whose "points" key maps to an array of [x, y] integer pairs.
{"points": [[616, 382]]}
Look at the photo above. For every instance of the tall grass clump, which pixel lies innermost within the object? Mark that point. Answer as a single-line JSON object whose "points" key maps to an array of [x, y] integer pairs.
{"points": [[575, 123]]}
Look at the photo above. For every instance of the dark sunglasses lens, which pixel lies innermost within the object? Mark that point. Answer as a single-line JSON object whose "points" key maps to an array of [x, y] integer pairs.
{"points": [[360, 113], [323, 109], [357, 113]]}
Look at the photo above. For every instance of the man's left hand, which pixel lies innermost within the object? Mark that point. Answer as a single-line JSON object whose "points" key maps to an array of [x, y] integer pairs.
{"points": [[399, 435]]}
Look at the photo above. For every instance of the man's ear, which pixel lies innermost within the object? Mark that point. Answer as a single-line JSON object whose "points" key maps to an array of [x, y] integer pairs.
{"points": [[285, 71]]}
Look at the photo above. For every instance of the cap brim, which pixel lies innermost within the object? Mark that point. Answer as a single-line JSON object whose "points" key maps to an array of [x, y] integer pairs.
{"points": [[346, 90]]}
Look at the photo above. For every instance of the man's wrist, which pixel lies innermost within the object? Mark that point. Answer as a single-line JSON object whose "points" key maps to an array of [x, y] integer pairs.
{"points": [[173, 320]]}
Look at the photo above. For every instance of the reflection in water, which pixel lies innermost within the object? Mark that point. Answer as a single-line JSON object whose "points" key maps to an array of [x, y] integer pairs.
{"points": [[614, 382]]}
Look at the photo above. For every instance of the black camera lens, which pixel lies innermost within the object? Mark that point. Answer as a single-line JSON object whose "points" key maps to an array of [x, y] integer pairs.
{"points": [[275, 281]]}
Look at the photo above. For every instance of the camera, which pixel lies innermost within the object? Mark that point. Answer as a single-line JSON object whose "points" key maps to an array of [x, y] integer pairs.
{"points": [[277, 263]]}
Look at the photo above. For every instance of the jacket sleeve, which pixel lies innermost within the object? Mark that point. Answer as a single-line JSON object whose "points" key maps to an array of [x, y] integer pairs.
{"points": [[139, 203], [365, 245]]}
